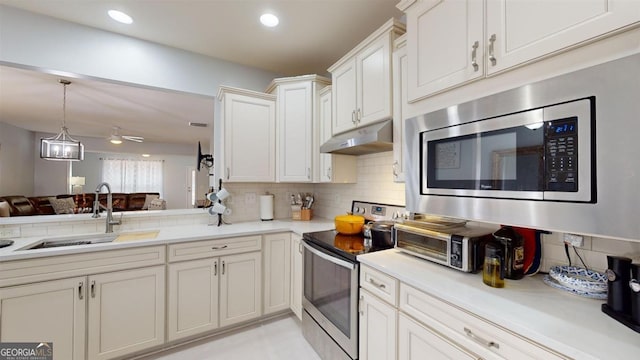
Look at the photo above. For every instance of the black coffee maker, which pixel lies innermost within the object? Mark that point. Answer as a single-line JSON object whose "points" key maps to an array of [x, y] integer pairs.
{"points": [[513, 252], [623, 296]]}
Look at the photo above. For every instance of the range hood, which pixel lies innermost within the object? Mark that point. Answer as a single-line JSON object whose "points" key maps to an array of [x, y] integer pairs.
{"points": [[366, 140]]}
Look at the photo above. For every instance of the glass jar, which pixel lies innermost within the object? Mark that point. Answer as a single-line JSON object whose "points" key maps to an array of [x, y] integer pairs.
{"points": [[493, 269]]}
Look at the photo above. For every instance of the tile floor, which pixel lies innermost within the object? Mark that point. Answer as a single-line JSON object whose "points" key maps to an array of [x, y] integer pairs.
{"points": [[278, 339]]}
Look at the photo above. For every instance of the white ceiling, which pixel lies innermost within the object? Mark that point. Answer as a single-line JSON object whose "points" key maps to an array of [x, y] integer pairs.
{"points": [[312, 35]]}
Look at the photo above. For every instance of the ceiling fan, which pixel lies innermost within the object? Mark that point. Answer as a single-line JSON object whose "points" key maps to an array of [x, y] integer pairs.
{"points": [[116, 138]]}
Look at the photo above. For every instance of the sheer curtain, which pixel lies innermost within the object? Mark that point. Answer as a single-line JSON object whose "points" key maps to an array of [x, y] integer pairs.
{"points": [[131, 175]]}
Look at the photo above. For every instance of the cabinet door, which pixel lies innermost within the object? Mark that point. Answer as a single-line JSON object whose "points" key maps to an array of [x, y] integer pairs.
{"points": [[240, 288], [296, 275], [378, 326], [249, 137], [417, 342], [52, 311], [324, 127], [344, 97], [374, 82], [332, 168], [563, 23], [277, 277], [295, 122], [400, 86], [441, 45], [192, 298], [126, 312]]}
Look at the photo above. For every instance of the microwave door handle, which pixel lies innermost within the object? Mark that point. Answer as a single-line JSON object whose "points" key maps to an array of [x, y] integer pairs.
{"points": [[330, 258]]}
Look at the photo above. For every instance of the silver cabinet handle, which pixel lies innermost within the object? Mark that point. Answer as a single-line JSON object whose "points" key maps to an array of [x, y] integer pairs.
{"points": [[329, 173], [379, 285], [218, 247], [353, 117], [223, 268], [228, 173], [360, 307], [358, 115], [492, 57], [93, 288], [309, 173], [480, 340], [81, 290], [474, 61], [300, 247], [215, 268], [395, 168]]}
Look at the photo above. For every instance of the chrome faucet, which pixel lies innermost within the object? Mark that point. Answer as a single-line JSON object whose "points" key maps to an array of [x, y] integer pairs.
{"points": [[96, 207]]}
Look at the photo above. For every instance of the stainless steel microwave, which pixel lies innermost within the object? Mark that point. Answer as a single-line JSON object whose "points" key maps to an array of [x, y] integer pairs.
{"points": [[544, 153], [577, 173]]}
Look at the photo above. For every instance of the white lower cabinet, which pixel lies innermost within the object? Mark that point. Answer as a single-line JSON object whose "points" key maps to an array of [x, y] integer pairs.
{"points": [[125, 312], [398, 321], [120, 312], [416, 341], [192, 298], [296, 275], [277, 272], [51, 311], [240, 288], [377, 328]]}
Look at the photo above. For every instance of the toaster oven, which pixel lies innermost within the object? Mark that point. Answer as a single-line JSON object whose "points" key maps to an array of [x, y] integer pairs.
{"points": [[460, 248]]}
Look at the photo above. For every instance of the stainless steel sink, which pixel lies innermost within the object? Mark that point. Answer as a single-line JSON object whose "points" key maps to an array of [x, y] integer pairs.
{"points": [[71, 241]]}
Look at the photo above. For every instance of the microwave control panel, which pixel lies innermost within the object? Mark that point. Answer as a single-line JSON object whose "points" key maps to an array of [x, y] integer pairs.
{"points": [[561, 155]]}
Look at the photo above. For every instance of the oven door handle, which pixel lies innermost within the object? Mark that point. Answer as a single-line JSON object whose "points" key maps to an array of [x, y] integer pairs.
{"points": [[329, 258]]}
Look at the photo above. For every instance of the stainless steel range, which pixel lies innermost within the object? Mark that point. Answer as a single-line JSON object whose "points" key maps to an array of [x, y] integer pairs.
{"points": [[331, 272]]}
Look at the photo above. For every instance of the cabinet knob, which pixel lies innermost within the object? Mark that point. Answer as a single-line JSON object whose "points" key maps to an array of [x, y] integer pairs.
{"points": [[492, 57]]}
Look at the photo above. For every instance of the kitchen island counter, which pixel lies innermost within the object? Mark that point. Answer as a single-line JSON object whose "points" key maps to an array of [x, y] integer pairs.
{"points": [[162, 235]]}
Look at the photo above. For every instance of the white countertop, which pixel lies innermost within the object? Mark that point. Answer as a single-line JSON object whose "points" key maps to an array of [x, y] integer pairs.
{"points": [[166, 235], [570, 324]]}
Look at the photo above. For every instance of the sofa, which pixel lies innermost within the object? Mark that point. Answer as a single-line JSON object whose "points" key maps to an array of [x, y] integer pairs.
{"points": [[20, 205]]}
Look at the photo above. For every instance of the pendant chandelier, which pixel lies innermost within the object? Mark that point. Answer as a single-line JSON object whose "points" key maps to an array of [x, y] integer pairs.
{"points": [[62, 146]]}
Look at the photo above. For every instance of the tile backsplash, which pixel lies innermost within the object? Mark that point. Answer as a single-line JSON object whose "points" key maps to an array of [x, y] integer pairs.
{"points": [[375, 183]]}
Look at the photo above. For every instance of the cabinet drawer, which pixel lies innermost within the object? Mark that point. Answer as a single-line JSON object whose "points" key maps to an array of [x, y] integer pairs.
{"points": [[209, 248], [379, 284], [498, 340], [64, 266]]}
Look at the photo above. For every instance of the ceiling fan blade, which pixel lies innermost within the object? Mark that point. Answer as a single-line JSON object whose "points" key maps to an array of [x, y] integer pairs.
{"points": [[133, 138]]}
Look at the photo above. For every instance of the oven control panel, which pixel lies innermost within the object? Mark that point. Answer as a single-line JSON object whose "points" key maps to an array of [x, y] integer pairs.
{"points": [[376, 212]]}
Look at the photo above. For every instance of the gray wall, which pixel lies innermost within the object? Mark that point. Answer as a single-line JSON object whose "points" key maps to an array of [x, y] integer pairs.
{"points": [[16, 160]]}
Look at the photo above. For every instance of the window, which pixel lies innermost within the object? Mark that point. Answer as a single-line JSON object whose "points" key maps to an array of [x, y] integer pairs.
{"points": [[132, 175]]}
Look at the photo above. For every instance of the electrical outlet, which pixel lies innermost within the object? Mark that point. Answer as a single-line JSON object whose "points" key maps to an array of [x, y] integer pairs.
{"points": [[574, 240], [250, 198]]}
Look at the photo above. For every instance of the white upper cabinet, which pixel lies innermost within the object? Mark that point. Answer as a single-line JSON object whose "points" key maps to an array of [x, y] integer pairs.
{"points": [[445, 45], [344, 97], [563, 23], [400, 84], [331, 168], [249, 139], [295, 114], [453, 42], [362, 81]]}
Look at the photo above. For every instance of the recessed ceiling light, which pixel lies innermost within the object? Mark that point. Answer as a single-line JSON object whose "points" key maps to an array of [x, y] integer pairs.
{"points": [[145, 155], [269, 20], [119, 16]]}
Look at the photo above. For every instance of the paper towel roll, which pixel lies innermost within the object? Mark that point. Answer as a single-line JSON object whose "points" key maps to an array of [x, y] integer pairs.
{"points": [[266, 207]]}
